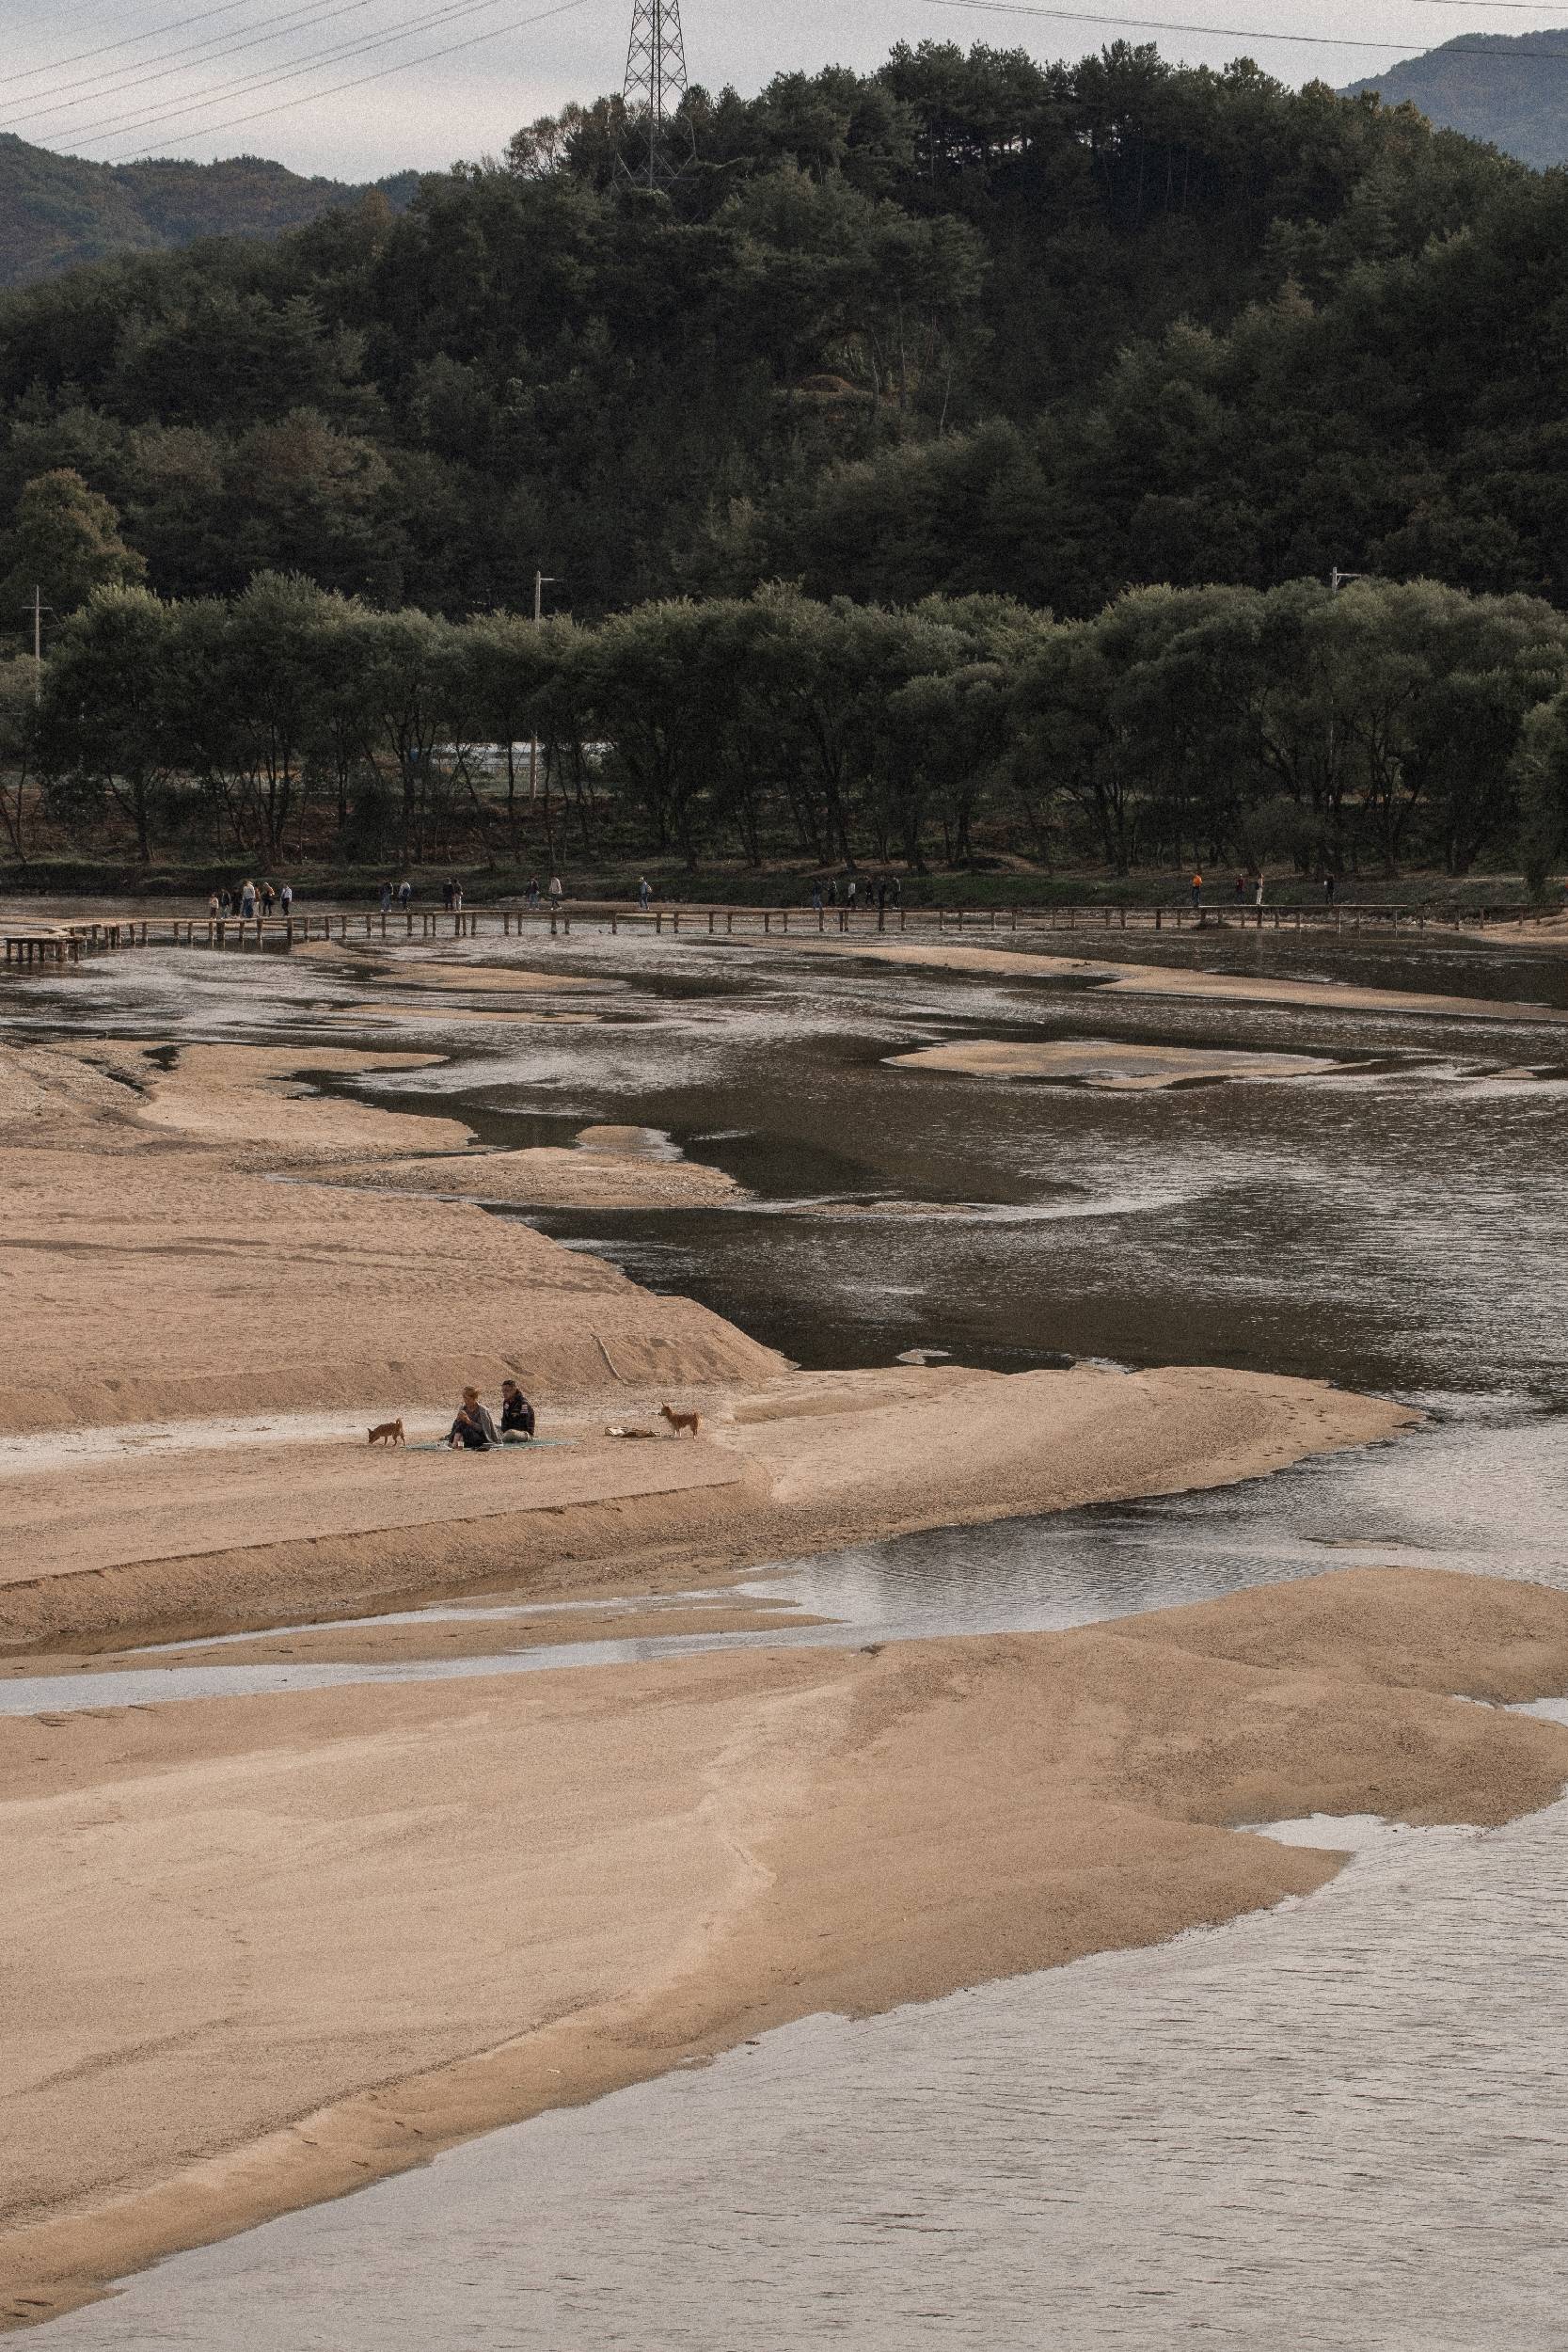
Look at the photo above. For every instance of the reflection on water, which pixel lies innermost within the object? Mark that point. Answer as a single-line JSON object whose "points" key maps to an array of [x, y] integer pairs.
{"points": [[1404, 1229], [1336, 2126]]}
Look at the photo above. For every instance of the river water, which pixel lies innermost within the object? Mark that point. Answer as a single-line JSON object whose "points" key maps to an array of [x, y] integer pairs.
{"points": [[1338, 2124]]}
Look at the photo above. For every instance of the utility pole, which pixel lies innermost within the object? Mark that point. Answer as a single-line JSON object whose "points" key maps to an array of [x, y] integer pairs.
{"points": [[541, 582], [658, 148], [1337, 580], [37, 609]]}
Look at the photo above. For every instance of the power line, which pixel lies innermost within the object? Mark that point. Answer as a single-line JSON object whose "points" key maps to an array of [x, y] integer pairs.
{"points": [[177, 24], [251, 85], [497, 32], [1235, 32], [117, 125], [52, 103]]}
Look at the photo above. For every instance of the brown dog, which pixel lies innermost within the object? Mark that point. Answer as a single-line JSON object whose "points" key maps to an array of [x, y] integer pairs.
{"points": [[387, 1433], [678, 1421]]}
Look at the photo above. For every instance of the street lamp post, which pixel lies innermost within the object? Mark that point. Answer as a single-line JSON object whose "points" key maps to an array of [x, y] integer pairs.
{"points": [[541, 581], [37, 609]]}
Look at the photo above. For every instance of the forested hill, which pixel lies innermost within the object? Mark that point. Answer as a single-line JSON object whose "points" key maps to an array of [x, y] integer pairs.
{"points": [[963, 325], [1510, 88], [58, 210]]}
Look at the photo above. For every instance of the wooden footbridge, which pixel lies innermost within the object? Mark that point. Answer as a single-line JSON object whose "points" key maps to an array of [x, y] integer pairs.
{"points": [[38, 946]]}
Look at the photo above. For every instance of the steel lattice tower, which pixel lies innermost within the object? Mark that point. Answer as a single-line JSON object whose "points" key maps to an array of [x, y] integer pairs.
{"points": [[656, 147]]}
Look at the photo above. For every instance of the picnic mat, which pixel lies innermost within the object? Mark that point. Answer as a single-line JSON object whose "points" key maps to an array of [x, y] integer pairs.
{"points": [[440, 1445]]}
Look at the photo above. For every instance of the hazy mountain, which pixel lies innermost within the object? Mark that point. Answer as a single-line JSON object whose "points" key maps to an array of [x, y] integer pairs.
{"points": [[1510, 89], [58, 210]]}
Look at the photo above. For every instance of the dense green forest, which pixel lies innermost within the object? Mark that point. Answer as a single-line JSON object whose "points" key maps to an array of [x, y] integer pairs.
{"points": [[947, 363], [968, 323], [1299, 730], [56, 211], [1510, 89]]}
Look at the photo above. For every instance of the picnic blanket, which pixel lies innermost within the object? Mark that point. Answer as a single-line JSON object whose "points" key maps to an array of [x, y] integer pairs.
{"points": [[532, 1445]]}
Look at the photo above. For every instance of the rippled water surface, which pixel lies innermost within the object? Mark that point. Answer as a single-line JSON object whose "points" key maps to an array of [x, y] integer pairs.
{"points": [[1401, 1224], [1340, 2124]]}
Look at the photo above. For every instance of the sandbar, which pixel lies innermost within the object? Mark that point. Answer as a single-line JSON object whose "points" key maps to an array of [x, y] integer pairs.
{"points": [[354, 1926], [218, 1539], [170, 1254], [389, 1009], [488, 976], [1107, 1064], [606, 1168]]}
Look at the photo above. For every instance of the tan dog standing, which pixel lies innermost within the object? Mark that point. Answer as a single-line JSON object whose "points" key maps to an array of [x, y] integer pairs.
{"points": [[387, 1433], [679, 1421]]}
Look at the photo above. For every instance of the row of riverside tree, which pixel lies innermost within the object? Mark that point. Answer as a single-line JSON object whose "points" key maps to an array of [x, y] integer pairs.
{"points": [[1387, 725]]}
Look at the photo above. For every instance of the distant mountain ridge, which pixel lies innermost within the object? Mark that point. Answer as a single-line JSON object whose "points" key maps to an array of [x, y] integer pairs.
{"points": [[1498, 86], [56, 211]]}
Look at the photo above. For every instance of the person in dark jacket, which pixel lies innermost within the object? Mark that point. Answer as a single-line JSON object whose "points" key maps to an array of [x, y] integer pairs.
{"points": [[518, 1423]]}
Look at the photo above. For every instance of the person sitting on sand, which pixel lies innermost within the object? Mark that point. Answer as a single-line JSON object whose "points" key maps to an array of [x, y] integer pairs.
{"points": [[473, 1429], [518, 1422]]}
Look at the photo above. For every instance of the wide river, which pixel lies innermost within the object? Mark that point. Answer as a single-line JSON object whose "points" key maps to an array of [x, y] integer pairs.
{"points": [[1340, 2123]]}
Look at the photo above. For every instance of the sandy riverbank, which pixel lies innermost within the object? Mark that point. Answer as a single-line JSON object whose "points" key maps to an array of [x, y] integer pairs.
{"points": [[211, 1538], [352, 1927], [169, 1253]]}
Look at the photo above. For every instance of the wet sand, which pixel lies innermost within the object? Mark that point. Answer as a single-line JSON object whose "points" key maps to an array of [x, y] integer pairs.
{"points": [[607, 1168], [396, 1013], [1106, 1063], [476, 1631], [323, 1901], [460, 975]]}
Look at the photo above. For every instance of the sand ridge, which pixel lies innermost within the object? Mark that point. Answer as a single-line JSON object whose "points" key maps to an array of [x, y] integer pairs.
{"points": [[216, 1540], [607, 1167], [460, 975], [163, 1257], [1108, 1064], [686, 1854]]}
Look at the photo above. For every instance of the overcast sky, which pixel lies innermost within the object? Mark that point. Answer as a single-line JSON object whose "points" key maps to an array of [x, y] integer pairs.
{"points": [[202, 78]]}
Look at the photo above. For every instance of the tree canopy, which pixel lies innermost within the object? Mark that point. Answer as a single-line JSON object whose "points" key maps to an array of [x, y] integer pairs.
{"points": [[965, 324], [1296, 728]]}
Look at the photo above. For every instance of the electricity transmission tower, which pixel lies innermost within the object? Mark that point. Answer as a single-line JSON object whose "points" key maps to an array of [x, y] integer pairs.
{"points": [[658, 147]]}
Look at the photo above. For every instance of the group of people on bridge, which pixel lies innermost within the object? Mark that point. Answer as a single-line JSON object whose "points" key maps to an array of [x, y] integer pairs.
{"points": [[249, 901]]}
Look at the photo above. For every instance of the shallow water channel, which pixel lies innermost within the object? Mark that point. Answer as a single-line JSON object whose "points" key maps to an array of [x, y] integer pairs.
{"points": [[1340, 2124]]}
